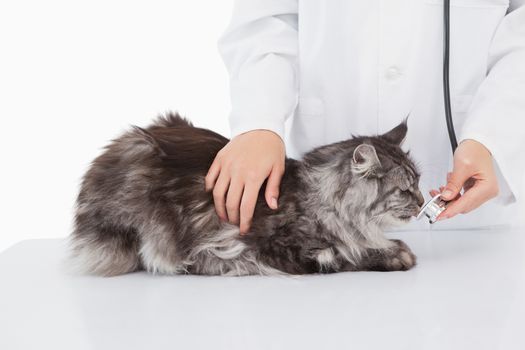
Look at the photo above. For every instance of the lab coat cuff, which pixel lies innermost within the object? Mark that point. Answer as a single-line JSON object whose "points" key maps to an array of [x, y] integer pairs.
{"points": [[250, 125], [507, 192]]}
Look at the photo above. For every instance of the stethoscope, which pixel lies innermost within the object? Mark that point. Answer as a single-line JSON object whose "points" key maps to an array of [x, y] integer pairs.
{"points": [[436, 205]]}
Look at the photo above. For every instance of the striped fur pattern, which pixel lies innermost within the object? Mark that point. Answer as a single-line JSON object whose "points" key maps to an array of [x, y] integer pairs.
{"points": [[143, 206]]}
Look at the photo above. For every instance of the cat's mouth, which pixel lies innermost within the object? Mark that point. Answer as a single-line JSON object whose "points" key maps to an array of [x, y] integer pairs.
{"points": [[407, 215]]}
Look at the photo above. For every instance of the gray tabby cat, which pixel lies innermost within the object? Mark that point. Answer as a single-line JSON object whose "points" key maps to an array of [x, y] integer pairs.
{"points": [[143, 206]]}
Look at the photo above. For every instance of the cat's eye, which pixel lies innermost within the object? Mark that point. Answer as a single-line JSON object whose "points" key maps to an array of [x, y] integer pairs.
{"points": [[404, 186], [407, 189]]}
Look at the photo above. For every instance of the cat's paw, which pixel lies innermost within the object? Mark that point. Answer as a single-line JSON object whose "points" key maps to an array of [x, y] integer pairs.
{"points": [[400, 257]]}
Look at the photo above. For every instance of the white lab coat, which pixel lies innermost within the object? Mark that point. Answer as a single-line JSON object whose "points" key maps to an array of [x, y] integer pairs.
{"points": [[316, 72]]}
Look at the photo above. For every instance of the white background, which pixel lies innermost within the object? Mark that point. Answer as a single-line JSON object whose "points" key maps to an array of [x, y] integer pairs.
{"points": [[74, 74]]}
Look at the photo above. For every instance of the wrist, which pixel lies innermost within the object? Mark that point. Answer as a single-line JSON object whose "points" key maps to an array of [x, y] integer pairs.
{"points": [[474, 144], [266, 134]]}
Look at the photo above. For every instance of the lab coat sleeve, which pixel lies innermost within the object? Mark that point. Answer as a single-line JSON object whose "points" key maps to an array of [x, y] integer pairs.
{"points": [[496, 117], [259, 49]]}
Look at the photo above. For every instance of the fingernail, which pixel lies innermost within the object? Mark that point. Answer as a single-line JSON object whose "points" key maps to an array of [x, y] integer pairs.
{"points": [[273, 202], [447, 193]]}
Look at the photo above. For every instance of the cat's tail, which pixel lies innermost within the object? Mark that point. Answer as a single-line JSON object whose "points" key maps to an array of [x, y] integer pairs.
{"points": [[103, 252]]}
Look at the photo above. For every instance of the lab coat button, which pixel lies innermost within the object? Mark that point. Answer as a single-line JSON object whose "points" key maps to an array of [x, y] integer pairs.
{"points": [[393, 73]]}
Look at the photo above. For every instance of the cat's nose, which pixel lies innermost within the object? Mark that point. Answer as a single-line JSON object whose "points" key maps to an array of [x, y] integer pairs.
{"points": [[420, 199]]}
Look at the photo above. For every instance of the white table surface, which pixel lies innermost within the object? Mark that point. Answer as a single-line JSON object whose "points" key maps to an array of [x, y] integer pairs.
{"points": [[467, 292]]}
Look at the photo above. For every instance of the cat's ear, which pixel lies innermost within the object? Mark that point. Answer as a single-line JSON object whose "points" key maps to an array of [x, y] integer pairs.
{"points": [[365, 160], [147, 139], [398, 134]]}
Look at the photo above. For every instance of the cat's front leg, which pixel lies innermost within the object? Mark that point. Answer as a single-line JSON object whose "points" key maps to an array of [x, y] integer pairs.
{"points": [[398, 257]]}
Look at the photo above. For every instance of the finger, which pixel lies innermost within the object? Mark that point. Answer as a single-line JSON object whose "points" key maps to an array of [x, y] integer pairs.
{"points": [[272, 187], [448, 176], [248, 202], [442, 188], [455, 182], [434, 192], [219, 193], [212, 175], [233, 200], [469, 201]]}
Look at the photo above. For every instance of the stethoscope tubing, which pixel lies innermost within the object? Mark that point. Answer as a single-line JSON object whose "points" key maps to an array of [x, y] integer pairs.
{"points": [[446, 80]]}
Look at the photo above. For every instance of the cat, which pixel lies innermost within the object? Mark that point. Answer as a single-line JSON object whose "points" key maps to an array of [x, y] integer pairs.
{"points": [[142, 205]]}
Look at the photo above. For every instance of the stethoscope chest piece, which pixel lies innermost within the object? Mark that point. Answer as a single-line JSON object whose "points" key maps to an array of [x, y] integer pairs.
{"points": [[432, 209]]}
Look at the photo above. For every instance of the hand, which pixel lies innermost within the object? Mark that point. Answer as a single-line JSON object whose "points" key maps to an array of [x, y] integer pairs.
{"points": [[473, 171], [239, 170]]}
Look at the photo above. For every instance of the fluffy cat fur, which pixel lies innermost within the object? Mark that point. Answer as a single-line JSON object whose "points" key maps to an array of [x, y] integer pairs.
{"points": [[143, 206]]}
